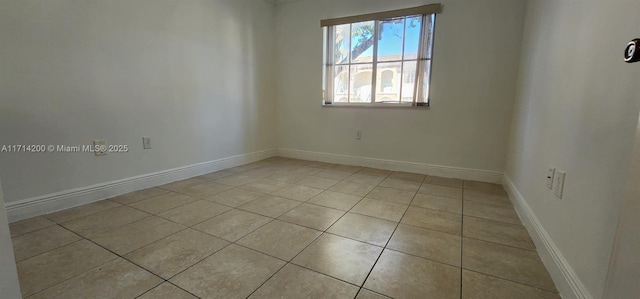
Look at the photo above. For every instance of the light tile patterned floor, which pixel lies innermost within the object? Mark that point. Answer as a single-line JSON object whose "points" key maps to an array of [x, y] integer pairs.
{"points": [[284, 228]]}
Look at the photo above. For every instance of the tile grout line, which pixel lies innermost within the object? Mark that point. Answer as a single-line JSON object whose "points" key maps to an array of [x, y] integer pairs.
{"points": [[316, 238], [388, 241], [462, 240], [385, 247], [511, 281], [108, 261]]}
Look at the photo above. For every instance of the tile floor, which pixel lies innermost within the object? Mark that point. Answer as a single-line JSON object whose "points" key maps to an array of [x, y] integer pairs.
{"points": [[284, 228]]}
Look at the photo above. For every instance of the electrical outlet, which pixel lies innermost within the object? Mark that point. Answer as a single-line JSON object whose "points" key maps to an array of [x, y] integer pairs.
{"points": [[550, 173], [359, 135], [100, 147], [559, 183], [146, 142]]}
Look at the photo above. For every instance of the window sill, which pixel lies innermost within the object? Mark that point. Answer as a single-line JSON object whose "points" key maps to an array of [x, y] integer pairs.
{"points": [[376, 106]]}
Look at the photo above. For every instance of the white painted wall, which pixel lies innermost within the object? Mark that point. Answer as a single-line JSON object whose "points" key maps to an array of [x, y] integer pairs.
{"points": [[476, 52], [196, 76], [576, 109], [624, 269], [9, 285]]}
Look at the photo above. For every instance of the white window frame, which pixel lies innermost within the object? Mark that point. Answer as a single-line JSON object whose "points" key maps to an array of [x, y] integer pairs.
{"points": [[420, 98]]}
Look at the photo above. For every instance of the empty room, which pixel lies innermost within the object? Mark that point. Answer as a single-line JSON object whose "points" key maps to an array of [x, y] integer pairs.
{"points": [[319, 149]]}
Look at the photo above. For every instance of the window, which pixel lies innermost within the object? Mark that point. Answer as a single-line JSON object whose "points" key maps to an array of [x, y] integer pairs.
{"points": [[381, 59]]}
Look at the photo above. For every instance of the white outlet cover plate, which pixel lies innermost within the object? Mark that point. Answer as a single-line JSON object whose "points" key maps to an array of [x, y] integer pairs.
{"points": [[146, 142], [559, 184], [550, 173]]}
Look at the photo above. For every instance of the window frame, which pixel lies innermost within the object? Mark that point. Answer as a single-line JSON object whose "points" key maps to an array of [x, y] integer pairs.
{"points": [[423, 60]]}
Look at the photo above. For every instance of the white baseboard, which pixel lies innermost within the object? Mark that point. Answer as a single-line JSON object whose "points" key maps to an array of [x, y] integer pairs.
{"points": [[567, 281], [428, 169], [49, 203]]}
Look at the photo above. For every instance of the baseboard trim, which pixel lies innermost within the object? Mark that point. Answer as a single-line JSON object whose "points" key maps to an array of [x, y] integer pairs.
{"points": [[428, 169], [49, 203], [567, 281]]}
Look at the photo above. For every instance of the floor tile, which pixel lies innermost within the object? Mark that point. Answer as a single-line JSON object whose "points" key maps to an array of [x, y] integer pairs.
{"points": [[479, 286], [400, 184], [339, 257], [380, 209], [422, 258], [497, 232], [352, 188], [232, 225], [179, 185], [41, 241], [215, 175], [131, 236], [317, 164], [518, 265], [280, 239], [399, 275], [116, 279], [233, 272], [449, 182], [175, 253], [446, 204], [333, 174], [374, 172], [487, 187], [28, 225], [244, 168], [167, 290], [502, 213], [235, 197], [435, 220], [296, 282], [104, 221], [265, 186], [336, 200], [55, 266], [364, 228], [238, 179], [431, 244], [486, 197], [297, 192], [270, 206], [132, 197], [195, 212], [443, 191], [365, 179], [318, 182], [366, 294], [312, 216], [407, 176], [346, 168], [304, 170], [392, 195], [287, 177], [205, 189], [81, 211], [161, 203]]}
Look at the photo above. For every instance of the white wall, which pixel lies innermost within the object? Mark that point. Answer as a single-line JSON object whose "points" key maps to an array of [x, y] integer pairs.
{"points": [[477, 44], [196, 76], [624, 274], [576, 109], [9, 285]]}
